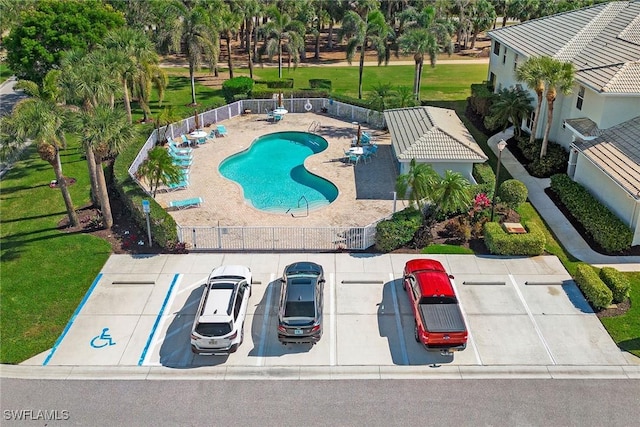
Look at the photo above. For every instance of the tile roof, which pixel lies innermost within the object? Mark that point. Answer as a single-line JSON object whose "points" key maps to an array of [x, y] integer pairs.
{"points": [[585, 126], [431, 134], [602, 41], [617, 153]]}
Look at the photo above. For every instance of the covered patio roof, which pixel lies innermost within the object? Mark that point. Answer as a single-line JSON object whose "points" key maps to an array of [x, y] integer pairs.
{"points": [[431, 135]]}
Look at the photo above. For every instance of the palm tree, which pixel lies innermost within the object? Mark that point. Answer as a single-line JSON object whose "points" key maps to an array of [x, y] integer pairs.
{"points": [[483, 17], [283, 33], [249, 10], [379, 95], [104, 131], [230, 22], [531, 73], [423, 36], [511, 106], [403, 97], [558, 76], [452, 193], [138, 64], [361, 33], [417, 184], [158, 168], [42, 121]]}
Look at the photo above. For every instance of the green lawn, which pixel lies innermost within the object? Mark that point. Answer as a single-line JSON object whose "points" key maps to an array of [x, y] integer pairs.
{"points": [[45, 272], [5, 72]]}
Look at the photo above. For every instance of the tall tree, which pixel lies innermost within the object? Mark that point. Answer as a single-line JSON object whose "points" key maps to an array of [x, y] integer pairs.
{"points": [[283, 33], [558, 76], [361, 33], [483, 17], [48, 28], [42, 121], [138, 64], [424, 35], [250, 9], [531, 72], [230, 21], [452, 193], [104, 131]]}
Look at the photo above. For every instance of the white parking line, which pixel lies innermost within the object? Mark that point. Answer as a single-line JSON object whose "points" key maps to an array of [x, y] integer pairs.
{"points": [[265, 320], [332, 320], [533, 320], [160, 326], [396, 311], [466, 321]]}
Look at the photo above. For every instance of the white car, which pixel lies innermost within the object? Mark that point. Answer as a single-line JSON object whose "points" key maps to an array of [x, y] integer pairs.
{"points": [[218, 328]]}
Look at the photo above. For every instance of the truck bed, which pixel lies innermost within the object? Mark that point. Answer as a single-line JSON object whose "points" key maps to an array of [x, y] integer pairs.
{"points": [[442, 317]]}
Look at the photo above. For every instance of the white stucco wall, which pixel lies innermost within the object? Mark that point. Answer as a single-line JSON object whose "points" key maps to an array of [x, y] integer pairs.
{"points": [[466, 169], [607, 191]]}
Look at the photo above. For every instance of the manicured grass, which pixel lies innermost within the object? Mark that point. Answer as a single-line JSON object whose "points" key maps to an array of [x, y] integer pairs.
{"points": [[5, 72], [446, 82], [45, 272], [625, 329], [446, 249]]}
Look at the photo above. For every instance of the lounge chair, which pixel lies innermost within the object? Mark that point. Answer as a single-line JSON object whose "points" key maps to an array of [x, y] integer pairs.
{"points": [[183, 163], [178, 185], [221, 130], [179, 151], [186, 203]]}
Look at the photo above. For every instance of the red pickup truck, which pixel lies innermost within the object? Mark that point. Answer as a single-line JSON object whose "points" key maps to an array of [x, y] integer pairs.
{"points": [[439, 324]]}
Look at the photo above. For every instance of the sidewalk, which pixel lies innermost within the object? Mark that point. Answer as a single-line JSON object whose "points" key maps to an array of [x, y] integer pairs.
{"points": [[559, 225]]}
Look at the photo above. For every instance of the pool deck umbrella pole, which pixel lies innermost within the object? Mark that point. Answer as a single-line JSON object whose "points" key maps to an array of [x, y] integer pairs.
{"points": [[197, 119], [358, 143]]}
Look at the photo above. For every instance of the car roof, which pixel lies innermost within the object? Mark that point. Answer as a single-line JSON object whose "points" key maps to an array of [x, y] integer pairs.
{"points": [[303, 267], [300, 289], [217, 306]]}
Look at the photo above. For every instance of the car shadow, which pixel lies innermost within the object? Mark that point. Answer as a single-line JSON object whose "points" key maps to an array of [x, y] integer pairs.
{"points": [[266, 343], [175, 351], [399, 333]]}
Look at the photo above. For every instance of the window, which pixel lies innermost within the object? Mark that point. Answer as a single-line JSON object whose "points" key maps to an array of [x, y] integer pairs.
{"points": [[515, 62], [580, 98], [504, 56], [496, 48], [238, 304], [530, 120], [492, 80]]}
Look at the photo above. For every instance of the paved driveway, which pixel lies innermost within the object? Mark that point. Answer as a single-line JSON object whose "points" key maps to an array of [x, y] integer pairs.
{"points": [[519, 311]]}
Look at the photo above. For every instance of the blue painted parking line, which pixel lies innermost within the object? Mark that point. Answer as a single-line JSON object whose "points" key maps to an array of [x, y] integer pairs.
{"points": [[157, 322], [73, 318]]}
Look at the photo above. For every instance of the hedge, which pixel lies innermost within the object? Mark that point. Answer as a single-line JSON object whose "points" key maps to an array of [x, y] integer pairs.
{"points": [[481, 98], [286, 94], [163, 226], [513, 193], [617, 282], [236, 86], [500, 242], [320, 84], [592, 287], [285, 83], [399, 230], [601, 224]]}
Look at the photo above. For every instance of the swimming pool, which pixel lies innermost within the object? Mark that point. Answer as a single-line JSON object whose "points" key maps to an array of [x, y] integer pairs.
{"points": [[272, 173]]}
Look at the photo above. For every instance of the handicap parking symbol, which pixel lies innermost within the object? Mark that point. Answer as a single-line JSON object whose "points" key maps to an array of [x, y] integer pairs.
{"points": [[102, 340]]}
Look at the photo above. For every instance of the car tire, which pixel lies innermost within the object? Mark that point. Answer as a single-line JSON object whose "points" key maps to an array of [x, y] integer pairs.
{"points": [[241, 336], [415, 332], [233, 348], [404, 286]]}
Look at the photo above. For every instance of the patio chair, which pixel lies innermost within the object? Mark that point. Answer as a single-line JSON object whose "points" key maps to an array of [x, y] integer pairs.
{"points": [[373, 150], [270, 117], [185, 140], [221, 130], [211, 136], [354, 158], [366, 156], [174, 149], [186, 203]]}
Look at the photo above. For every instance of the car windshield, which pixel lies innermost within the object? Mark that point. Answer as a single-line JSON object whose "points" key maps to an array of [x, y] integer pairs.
{"points": [[299, 309], [213, 329]]}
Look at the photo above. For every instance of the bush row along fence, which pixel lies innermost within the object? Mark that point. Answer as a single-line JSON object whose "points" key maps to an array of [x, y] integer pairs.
{"points": [[267, 238]]}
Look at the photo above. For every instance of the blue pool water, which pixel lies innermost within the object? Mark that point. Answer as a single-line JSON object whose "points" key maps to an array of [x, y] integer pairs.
{"points": [[272, 173]]}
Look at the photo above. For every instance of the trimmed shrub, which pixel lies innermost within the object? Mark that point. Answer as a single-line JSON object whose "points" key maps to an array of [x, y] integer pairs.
{"points": [[280, 83], [397, 231], [236, 86], [513, 193], [320, 84], [481, 99], [499, 242], [601, 224], [594, 289], [555, 161], [617, 282], [298, 93], [486, 179]]}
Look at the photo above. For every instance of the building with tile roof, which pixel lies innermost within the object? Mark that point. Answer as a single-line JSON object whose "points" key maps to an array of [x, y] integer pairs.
{"points": [[598, 121], [435, 136]]}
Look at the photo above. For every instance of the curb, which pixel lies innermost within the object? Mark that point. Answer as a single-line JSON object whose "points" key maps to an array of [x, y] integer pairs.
{"points": [[301, 373]]}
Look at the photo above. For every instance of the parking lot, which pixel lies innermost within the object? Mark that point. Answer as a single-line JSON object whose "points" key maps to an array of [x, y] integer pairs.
{"points": [[519, 312]]}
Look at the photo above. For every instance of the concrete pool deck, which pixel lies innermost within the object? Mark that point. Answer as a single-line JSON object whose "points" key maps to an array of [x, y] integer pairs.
{"points": [[365, 191]]}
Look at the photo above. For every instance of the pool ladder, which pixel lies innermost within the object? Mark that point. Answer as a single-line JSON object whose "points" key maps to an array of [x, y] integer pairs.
{"points": [[299, 200], [314, 127]]}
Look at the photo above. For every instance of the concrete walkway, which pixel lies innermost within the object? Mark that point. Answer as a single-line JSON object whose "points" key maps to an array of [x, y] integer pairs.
{"points": [[564, 232]]}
